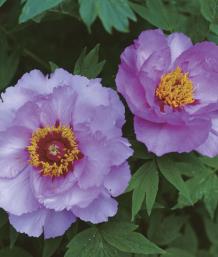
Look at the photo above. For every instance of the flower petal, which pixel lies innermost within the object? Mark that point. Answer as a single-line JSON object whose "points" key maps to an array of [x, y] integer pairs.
{"points": [[13, 156], [117, 180], [178, 43], [16, 194], [75, 196], [57, 223], [52, 223], [98, 211], [30, 223], [162, 138]]}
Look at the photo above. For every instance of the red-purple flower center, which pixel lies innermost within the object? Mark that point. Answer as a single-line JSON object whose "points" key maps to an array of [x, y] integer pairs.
{"points": [[53, 150]]}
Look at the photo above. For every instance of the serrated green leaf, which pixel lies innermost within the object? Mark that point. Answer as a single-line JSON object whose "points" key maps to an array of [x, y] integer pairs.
{"points": [[151, 186], [88, 64], [146, 184], [88, 11], [209, 9], [131, 243], [171, 172], [90, 243], [113, 13], [50, 246], [33, 8], [203, 186], [158, 14], [164, 230], [118, 227], [14, 252], [2, 2]]}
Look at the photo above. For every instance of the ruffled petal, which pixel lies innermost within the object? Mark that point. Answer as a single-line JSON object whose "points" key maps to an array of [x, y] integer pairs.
{"points": [[30, 223], [13, 156], [98, 211], [59, 106], [210, 146], [57, 223], [28, 116], [162, 138], [16, 194], [117, 180], [52, 223], [44, 186], [178, 43], [75, 196]]}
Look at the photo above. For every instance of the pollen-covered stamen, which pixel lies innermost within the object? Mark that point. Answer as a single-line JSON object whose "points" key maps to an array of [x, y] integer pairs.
{"points": [[176, 89], [53, 150]]}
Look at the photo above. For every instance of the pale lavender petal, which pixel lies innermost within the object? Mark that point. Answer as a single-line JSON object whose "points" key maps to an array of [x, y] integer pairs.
{"points": [[178, 43], [30, 223], [98, 211], [57, 223], [13, 154], [117, 180], [16, 194], [162, 138], [210, 146], [73, 197]]}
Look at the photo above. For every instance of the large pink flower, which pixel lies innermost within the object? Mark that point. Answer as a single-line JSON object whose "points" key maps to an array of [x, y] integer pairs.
{"points": [[62, 154], [171, 87]]}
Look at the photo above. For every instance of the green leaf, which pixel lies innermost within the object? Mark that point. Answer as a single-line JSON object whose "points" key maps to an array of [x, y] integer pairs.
{"points": [[88, 64], [113, 13], [90, 243], [211, 230], [33, 8], [146, 184], [9, 60], [151, 186], [188, 240], [212, 162], [13, 236], [203, 186], [209, 9], [158, 14], [14, 252], [131, 243], [164, 230], [171, 171], [118, 227], [53, 66], [88, 11], [2, 2], [50, 246]]}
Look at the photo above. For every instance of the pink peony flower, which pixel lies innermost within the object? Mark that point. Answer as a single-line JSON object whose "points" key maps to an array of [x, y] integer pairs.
{"points": [[62, 154], [171, 86]]}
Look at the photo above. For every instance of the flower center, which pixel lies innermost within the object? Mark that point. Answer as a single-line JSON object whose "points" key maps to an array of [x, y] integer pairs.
{"points": [[175, 89], [53, 150]]}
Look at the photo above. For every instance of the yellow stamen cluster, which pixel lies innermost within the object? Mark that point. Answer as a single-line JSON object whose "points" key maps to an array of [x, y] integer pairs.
{"points": [[175, 89], [53, 169]]}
